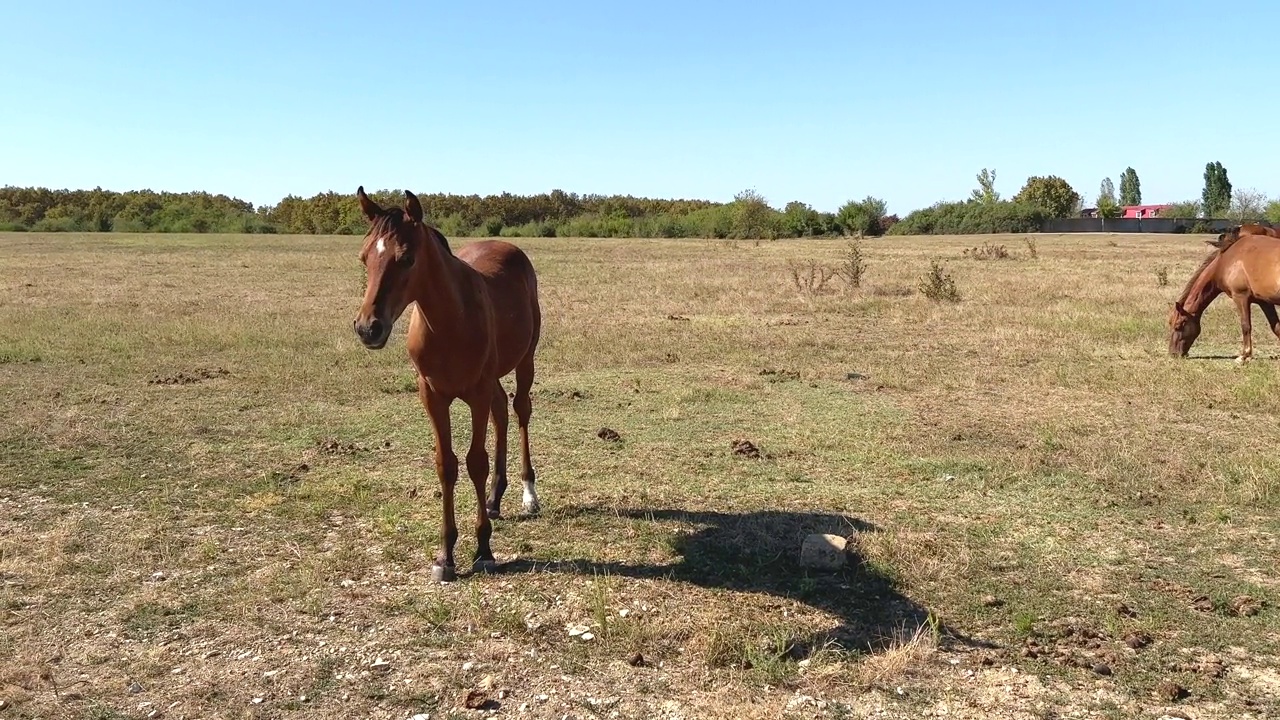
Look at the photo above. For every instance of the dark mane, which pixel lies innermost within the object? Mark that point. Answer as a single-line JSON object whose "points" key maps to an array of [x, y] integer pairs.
{"points": [[389, 222], [1186, 290]]}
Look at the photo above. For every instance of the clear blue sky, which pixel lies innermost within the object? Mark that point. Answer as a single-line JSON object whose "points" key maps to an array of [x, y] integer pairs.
{"points": [[820, 102]]}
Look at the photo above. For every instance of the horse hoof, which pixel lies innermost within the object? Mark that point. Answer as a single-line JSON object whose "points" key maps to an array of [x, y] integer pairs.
{"points": [[442, 573], [484, 566], [531, 509], [494, 513]]}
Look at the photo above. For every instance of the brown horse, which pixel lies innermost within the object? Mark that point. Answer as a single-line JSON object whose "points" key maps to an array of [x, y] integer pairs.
{"points": [[476, 318], [1246, 267], [1234, 234]]}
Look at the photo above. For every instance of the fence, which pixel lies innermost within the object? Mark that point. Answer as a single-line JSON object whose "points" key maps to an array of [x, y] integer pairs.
{"points": [[1138, 225]]}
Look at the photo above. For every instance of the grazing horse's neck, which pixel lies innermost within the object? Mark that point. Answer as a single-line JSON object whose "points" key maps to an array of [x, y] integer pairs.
{"points": [[436, 287], [1201, 290]]}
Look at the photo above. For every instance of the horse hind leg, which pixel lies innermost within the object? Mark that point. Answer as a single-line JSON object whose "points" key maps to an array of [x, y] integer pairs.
{"points": [[500, 424], [524, 409], [1245, 307]]}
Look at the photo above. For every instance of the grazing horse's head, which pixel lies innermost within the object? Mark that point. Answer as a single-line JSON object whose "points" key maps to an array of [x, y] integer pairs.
{"points": [[1184, 328], [390, 248]]}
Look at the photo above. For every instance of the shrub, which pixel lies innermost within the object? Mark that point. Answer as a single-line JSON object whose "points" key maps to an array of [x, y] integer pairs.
{"points": [[938, 285]]}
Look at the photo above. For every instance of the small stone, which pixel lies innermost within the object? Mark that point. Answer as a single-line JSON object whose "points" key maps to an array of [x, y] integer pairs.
{"points": [[4, 704], [636, 660], [576, 630], [134, 688], [624, 612], [421, 716], [588, 636], [271, 673], [1104, 670], [991, 601], [158, 576], [153, 714], [380, 665], [256, 701], [823, 552], [468, 666], [176, 671], [303, 698]]}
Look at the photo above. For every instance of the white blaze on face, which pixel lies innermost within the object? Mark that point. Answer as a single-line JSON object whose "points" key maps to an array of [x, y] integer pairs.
{"points": [[380, 246]]}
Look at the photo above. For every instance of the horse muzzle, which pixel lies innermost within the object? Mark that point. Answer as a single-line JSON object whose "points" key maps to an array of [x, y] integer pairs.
{"points": [[373, 333]]}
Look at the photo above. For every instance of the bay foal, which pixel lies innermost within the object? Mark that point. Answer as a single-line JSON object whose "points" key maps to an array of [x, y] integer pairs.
{"points": [[475, 319]]}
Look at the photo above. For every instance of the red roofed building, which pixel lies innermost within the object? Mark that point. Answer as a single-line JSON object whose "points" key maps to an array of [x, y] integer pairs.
{"points": [[1144, 211]]}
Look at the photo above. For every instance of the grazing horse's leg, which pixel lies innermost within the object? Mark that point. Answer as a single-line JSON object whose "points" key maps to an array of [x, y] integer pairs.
{"points": [[524, 408], [500, 423], [1245, 308], [478, 469], [1273, 319], [437, 406]]}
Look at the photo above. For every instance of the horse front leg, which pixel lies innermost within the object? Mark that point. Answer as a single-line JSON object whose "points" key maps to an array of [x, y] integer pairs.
{"points": [[478, 469], [443, 569]]}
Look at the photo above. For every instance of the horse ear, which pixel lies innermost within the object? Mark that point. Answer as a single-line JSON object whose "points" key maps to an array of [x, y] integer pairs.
{"points": [[412, 206], [367, 206]]}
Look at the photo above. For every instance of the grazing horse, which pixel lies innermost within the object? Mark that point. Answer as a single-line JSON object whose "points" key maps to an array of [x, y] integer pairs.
{"points": [[1246, 267], [1230, 236], [476, 318]]}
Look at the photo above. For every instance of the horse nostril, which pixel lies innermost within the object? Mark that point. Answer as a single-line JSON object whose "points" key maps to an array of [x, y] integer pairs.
{"points": [[375, 328]]}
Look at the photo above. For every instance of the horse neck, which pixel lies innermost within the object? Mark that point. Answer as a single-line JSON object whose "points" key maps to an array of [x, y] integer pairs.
{"points": [[1202, 290], [437, 285]]}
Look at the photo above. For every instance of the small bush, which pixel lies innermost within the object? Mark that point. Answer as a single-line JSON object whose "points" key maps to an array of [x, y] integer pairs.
{"points": [[1031, 248], [1162, 276], [988, 251], [854, 265], [938, 285], [810, 278]]}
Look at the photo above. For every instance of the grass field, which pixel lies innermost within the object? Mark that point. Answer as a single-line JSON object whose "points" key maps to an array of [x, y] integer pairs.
{"points": [[214, 502]]}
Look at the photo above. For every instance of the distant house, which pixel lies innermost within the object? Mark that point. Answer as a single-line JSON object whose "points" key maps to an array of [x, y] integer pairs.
{"points": [[1144, 211]]}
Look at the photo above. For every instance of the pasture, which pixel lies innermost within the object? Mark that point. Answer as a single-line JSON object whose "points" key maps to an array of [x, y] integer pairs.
{"points": [[215, 503]]}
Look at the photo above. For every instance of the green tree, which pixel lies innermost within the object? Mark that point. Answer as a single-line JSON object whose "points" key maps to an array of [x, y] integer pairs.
{"points": [[1107, 205], [1188, 210], [1272, 212], [1216, 198], [1130, 187], [1247, 204], [1052, 193], [861, 217], [986, 193], [752, 216]]}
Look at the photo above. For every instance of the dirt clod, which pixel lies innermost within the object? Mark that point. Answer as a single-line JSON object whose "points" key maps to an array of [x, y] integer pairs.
{"points": [[1137, 639], [636, 660], [745, 448], [1170, 691], [608, 435], [191, 378], [1125, 611], [678, 318], [476, 700], [1245, 606], [1102, 669], [991, 601]]}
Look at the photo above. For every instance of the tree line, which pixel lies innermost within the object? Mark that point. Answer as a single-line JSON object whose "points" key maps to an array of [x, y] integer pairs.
{"points": [[563, 214]]}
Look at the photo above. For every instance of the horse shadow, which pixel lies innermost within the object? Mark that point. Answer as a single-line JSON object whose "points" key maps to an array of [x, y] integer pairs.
{"points": [[759, 552]]}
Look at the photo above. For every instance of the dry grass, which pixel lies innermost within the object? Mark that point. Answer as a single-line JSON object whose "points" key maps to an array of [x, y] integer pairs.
{"points": [[209, 489]]}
